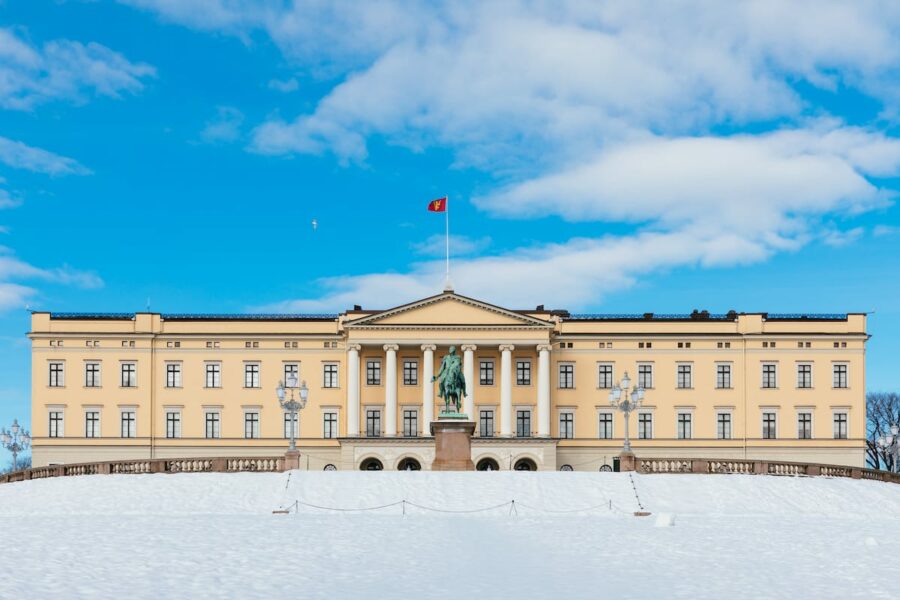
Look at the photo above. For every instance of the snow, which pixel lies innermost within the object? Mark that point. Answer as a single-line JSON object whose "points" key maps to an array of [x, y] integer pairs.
{"points": [[568, 534]]}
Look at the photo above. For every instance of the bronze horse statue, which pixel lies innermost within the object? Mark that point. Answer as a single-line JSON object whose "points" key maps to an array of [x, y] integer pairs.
{"points": [[452, 386]]}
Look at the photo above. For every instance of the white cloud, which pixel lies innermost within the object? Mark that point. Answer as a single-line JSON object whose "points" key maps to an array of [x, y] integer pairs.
{"points": [[15, 294], [225, 127], [284, 85], [8, 200], [885, 230], [21, 156], [63, 69], [460, 245]]}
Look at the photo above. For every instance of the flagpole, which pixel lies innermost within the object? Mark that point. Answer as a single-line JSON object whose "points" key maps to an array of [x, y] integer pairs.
{"points": [[448, 286]]}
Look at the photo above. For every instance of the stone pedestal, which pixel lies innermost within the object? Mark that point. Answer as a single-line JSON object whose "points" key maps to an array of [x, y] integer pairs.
{"points": [[452, 445], [626, 462], [291, 460]]}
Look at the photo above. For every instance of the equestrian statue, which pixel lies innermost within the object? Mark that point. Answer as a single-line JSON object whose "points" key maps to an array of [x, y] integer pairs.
{"points": [[452, 386]]}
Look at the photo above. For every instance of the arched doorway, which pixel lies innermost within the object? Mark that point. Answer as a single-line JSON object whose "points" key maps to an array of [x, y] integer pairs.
{"points": [[487, 464], [525, 464], [409, 464], [371, 464]]}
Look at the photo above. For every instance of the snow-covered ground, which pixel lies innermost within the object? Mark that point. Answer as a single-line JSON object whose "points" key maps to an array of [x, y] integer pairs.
{"points": [[568, 534]]}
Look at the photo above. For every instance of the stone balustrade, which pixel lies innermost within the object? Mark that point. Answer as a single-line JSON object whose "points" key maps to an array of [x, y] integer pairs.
{"points": [[758, 467]]}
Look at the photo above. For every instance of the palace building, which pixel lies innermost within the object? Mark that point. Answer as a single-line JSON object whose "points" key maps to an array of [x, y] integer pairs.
{"points": [[736, 385]]}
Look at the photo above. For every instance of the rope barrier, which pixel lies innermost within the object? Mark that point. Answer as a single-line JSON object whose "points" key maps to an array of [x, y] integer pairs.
{"points": [[634, 487], [512, 504]]}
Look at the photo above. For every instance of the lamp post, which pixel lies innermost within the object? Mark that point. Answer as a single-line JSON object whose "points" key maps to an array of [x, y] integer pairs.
{"points": [[891, 443], [292, 399], [15, 440], [626, 401]]}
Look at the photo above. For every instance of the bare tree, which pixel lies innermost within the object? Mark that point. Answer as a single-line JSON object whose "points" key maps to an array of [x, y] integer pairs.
{"points": [[882, 410], [24, 463]]}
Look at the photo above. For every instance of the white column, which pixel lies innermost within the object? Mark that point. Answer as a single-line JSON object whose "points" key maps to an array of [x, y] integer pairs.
{"points": [[543, 381], [469, 373], [506, 390], [353, 390], [427, 387], [390, 390]]}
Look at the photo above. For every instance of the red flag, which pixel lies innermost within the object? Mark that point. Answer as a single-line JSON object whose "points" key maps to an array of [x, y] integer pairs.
{"points": [[439, 205]]}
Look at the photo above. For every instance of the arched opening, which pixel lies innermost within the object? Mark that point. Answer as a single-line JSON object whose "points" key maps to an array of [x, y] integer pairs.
{"points": [[371, 464], [330, 467], [525, 464], [409, 464], [487, 464], [566, 468]]}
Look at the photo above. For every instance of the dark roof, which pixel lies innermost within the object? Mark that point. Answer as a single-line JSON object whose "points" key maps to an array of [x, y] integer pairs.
{"points": [[197, 316], [705, 316]]}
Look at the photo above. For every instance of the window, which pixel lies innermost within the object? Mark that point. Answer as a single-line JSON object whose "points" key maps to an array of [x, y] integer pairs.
{"points": [[567, 376], [566, 425], [723, 345], [373, 423], [128, 424], [330, 425], [486, 372], [684, 344], [645, 426], [330, 375], [840, 376], [251, 376], [723, 377], [92, 424], [129, 375], [523, 372], [804, 376], [173, 424], [213, 375], [684, 426], [56, 424], [410, 372], [645, 376], [287, 425], [212, 426], [57, 374], [769, 376], [291, 372], [605, 381], [251, 425], [606, 426], [840, 426], [486, 423], [647, 345], [410, 423], [723, 428], [804, 426], [373, 372], [769, 431], [684, 377], [92, 374], [523, 423], [173, 375]]}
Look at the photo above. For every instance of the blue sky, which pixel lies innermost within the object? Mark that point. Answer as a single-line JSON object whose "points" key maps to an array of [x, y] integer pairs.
{"points": [[609, 157]]}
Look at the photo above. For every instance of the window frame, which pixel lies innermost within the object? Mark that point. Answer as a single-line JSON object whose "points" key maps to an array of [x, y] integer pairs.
{"points": [[173, 425], [567, 418], [523, 375], [286, 424], [682, 433], [216, 432], [251, 424], [645, 418], [288, 369], [92, 379], [252, 375], [410, 372], [805, 378], [523, 418], [765, 430], [131, 380], [809, 422], [565, 377], [724, 419], [603, 421], [131, 422], [721, 376], [487, 374], [768, 381], [410, 416], [214, 369], [330, 425], [56, 423], [602, 375], [174, 375], [374, 417], [681, 369], [642, 376], [92, 425], [56, 373], [374, 373], [845, 375], [486, 415], [331, 376], [845, 424]]}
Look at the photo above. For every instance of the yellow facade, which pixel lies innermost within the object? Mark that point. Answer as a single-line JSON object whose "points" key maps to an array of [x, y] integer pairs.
{"points": [[793, 389]]}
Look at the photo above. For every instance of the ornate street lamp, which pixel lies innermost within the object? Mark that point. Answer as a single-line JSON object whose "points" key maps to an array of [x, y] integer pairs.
{"points": [[292, 399], [15, 440], [891, 443], [626, 401]]}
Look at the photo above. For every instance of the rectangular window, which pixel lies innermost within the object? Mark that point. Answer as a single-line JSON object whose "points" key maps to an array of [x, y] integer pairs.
{"points": [[804, 426], [251, 425], [213, 375], [173, 424], [128, 424], [684, 426], [410, 372], [523, 372], [56, 424], [685, 379], [606, 426], [291, 374], [769, 427], [92, 424], [251, 376], [840, 426], [57, 374], [605, 381], [410, 423], [840, 376], [723, 428], [212, 426], [330, 375], [769, 376], [129, 375], [373, 423], [173, 375], [373, 372], [804, 376], [645, 426], [566, 425], [723, 377], [287, 425], [486, 372], [645, 376], [486, 423], [330, 425], [523, 423], [566, 376], [92, 375]]}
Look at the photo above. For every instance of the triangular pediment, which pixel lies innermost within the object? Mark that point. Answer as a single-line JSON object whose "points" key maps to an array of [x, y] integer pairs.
{"points": [[449, 310]]}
